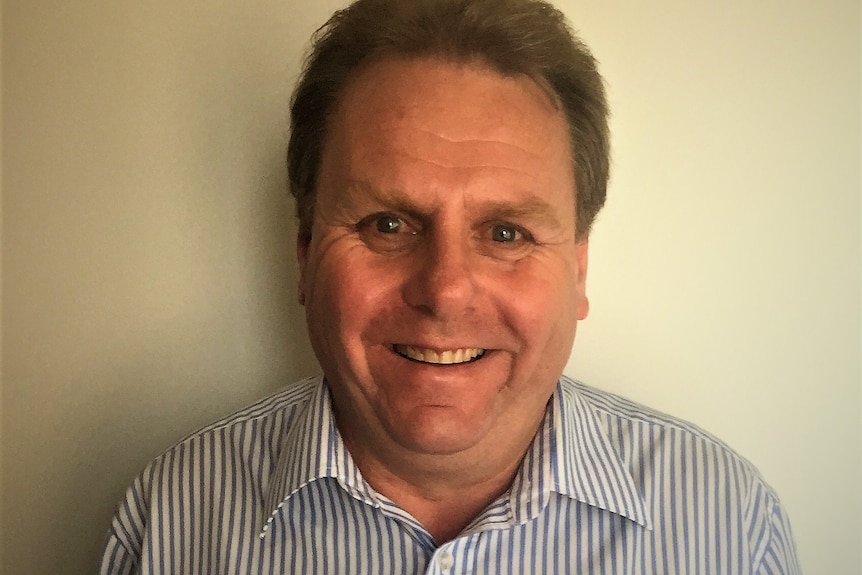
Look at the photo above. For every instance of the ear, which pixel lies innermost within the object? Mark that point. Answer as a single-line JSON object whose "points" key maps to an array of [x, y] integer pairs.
{"points": [[582, 259], [302, 246]]}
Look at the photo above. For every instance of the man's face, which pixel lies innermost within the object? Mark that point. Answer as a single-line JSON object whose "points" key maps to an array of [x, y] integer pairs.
{"points": [[443, 281]]}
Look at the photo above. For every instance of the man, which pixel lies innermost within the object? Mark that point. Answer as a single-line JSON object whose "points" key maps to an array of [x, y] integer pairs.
{"points": [[448, 158]]}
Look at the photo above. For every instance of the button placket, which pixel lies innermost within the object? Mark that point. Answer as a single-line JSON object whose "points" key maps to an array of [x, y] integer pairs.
{"points": [[445, 560]]}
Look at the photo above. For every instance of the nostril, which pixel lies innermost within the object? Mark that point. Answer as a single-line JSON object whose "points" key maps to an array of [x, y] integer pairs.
{"points": [[443, 282]]}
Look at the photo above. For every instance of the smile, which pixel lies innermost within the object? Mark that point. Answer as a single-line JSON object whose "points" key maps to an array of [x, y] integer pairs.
{"points": [[446, 357]]}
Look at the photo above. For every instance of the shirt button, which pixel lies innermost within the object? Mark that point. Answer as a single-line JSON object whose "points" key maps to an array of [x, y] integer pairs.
{"points": [[445, 560]]}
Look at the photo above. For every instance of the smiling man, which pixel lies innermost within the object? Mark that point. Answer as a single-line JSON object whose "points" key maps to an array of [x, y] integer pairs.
{"points": [[448, 158], [442, 278]]}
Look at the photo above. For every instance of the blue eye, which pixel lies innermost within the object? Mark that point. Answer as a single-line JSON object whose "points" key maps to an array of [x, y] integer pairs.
{"points": [[504, 234], [387, 224], [387, 233]]}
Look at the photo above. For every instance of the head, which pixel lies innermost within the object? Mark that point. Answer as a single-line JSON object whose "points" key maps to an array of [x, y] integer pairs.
{"points": [[448, 158], [512, 37]]}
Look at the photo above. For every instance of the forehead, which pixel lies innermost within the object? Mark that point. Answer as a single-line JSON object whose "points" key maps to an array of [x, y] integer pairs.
{"points": [[436, 130], [452, 102]]}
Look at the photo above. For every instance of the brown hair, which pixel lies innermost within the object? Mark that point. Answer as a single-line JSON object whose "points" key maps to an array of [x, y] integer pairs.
{"points": [[512, 37]]}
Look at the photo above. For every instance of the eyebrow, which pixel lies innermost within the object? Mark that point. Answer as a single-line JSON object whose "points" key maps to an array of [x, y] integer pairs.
{"points": [[359, 192], [530, 207]]}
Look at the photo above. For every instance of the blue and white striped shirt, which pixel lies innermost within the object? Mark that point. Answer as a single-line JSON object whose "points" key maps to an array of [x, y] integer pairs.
{"points": [[607, 487]]}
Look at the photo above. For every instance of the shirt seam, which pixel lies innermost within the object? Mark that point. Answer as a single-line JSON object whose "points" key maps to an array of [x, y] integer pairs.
{"points": [[113, 534]]}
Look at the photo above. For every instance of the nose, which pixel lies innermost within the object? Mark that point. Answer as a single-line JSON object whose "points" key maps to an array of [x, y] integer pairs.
{"points": [[443, 279]]}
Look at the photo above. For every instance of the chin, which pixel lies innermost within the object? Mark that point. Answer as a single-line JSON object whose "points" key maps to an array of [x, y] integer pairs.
{"points": [[436, 434]]}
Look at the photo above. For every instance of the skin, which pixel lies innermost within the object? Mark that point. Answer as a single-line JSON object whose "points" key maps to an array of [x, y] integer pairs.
{"points": [[445, 220]]}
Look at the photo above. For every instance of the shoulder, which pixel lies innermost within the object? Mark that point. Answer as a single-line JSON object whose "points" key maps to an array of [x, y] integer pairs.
{"points": [[641, 435], [231, 458], [691, 481], [250, 438], [616, 408], [286, 403]]}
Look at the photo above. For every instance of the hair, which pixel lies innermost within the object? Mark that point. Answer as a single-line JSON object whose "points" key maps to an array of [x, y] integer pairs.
{"points": [[511, 37]]}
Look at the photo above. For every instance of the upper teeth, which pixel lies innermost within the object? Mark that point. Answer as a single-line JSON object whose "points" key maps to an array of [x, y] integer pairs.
{"points": [[448, 356]]}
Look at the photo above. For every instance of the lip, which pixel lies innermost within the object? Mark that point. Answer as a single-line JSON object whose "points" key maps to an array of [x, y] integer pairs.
{"points": [[443, 357]]}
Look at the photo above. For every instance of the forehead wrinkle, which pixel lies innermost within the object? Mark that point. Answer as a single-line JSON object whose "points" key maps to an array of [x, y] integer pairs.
{"points": [[464, 155], [440, 163], [453, 152], [490, 142]]}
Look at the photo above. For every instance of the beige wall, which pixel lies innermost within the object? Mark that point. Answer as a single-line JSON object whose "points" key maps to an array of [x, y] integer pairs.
{"points": [[725, 273], [147, 283], [2, 490]]}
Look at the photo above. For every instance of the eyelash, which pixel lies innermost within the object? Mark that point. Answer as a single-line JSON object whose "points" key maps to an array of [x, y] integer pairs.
{"points": [[373, 221]]}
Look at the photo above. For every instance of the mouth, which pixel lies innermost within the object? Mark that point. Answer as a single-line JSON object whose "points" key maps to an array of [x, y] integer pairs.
{"points": [[445, 357]]}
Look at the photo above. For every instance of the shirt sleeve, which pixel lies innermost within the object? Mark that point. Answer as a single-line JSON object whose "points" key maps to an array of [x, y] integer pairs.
{"points": [[116, 559], [779, 551], [122, 550]]}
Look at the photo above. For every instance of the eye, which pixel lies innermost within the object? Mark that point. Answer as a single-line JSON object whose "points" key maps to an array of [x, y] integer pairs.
{"points": [[387, 224], [505, 241], [504, 233], [387, 233]]}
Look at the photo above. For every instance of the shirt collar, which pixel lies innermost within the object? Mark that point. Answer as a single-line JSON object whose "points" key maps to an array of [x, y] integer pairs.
{"points": [[312, 449], [589, 467], [571, 455]]}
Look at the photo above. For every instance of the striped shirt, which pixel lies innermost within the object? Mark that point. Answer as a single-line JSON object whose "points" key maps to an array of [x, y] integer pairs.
{"points": [[607, 487]]}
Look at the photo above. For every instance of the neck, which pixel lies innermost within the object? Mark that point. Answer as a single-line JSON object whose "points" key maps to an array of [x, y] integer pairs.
{"points": [[444, 501], [445, 493]]}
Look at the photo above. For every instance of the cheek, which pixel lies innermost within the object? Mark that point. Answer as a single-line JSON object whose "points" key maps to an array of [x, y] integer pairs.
{"points": [[346, 293], [540, 303]]}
